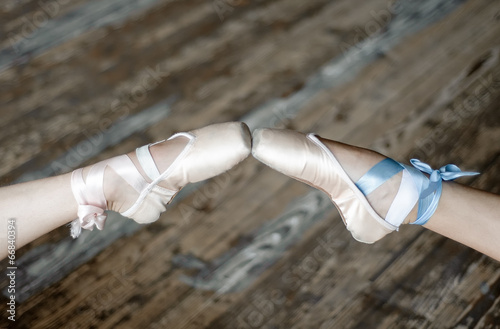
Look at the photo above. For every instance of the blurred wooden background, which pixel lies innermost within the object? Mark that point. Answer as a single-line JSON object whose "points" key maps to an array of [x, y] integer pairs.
{"points": [[86, 80]]}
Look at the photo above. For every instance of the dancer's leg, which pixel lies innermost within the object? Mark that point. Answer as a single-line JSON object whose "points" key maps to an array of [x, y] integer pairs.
{"points": [[40, 206], [37, 207], [467, 215], [43, 205]]}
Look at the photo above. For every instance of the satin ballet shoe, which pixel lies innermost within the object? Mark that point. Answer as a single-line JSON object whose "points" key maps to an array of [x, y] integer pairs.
{"points": [[307, 159], [208, 152]]}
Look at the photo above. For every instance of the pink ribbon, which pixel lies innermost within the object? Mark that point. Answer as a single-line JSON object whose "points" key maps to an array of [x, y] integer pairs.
{"points": [[90, 216]]}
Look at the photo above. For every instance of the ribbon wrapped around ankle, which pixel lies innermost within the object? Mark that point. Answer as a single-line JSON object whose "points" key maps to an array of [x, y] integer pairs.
{"points": [[430, 192], [88, 216]]}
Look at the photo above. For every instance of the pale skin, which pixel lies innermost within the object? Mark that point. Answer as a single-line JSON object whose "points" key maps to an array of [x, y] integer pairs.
{"points": [[464, 214], [51, 200]]}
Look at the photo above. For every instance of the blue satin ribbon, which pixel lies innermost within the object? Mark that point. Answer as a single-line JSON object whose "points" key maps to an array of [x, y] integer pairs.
{"points": [[378, 175], [430, 193]]}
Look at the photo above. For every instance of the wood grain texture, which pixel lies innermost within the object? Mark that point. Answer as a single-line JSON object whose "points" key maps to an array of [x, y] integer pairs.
{"points": [[419, 80]]}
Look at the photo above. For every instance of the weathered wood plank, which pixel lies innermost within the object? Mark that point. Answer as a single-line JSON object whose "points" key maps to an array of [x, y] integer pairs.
{"points": [[261, 56]]}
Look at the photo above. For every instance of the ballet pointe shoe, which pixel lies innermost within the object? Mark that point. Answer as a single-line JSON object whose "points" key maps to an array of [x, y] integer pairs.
{"points": [[307, 159], [203, 153]]}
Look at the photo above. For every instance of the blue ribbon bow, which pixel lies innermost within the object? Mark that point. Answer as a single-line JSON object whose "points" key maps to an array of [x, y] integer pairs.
{"points": [[427, 206]]}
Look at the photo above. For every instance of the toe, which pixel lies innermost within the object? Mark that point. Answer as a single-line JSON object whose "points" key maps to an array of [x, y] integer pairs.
{"points": [[286, 151]]}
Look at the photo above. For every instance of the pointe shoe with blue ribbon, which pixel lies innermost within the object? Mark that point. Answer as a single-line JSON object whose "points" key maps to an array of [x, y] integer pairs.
{"points": [[307, 159], [203, 153]]}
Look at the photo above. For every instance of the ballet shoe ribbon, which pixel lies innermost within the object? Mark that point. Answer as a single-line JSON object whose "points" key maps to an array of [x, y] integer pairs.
{"points": [[430, 194], [446, 173], [90, 216]]}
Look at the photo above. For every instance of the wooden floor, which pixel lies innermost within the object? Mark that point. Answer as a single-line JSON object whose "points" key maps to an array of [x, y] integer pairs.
{"points": [[85, 80]]}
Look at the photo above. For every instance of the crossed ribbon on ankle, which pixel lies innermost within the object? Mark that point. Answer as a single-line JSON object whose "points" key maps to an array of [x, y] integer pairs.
{"points": [[430, 195]]}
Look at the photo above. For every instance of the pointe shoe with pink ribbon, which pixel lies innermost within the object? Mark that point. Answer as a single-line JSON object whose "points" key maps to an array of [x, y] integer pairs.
{"points": [[307, 159], [204, 153]]}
